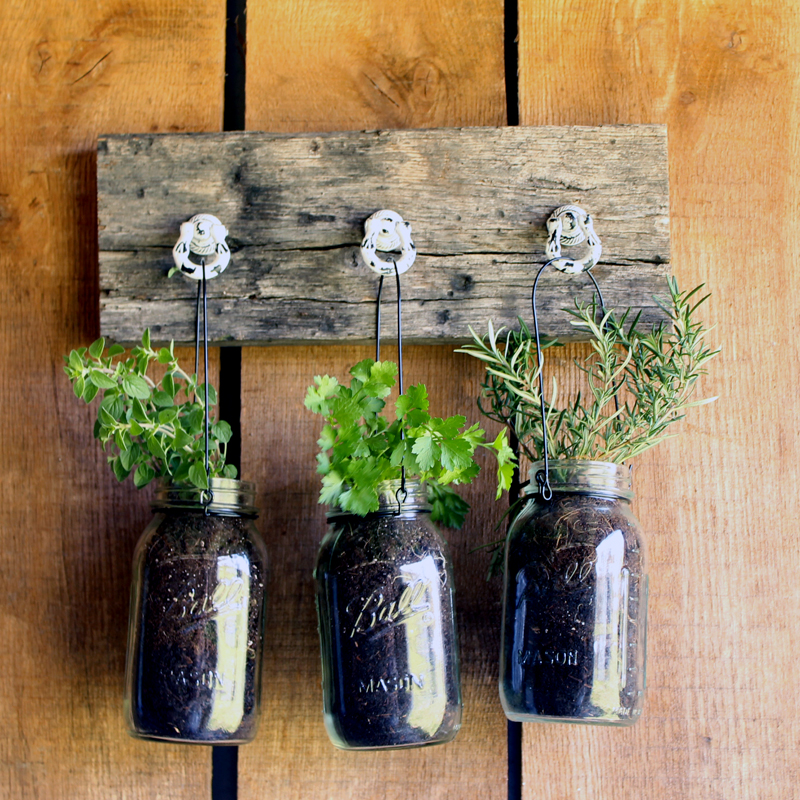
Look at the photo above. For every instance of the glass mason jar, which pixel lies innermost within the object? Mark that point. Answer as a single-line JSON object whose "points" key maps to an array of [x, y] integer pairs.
{"points": [[575, 600], [193, 669], [385, 602]]}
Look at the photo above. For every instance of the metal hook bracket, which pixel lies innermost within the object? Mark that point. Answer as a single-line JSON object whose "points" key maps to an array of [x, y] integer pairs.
{"points": [[386, 230], [203, 235], [571, 225]]}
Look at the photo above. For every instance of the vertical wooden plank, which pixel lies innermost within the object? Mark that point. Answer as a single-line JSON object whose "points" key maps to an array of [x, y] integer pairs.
{"points": [[720, 503], [69, 71], [329, 66]]}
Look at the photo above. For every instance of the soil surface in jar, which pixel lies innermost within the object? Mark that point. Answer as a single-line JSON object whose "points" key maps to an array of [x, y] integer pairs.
{"points": [[200, 626], [388, 634], [574, 625]]}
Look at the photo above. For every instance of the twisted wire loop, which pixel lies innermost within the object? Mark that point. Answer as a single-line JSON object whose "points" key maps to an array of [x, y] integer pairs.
{"points": [[568, 225], [204, 235], [571, 225], [206, 495], [385, 230]]}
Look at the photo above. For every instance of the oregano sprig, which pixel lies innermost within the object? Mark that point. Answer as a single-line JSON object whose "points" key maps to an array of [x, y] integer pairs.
{"points": [[360, 447], [150, 428]]}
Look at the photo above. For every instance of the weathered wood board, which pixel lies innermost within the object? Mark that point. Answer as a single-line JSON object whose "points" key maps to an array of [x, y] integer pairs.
{"points": [[477, 199]]}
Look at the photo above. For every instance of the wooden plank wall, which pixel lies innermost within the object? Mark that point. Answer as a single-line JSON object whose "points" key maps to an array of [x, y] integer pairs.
{"points": [[68, 72], [719, 504], [328, 67]]}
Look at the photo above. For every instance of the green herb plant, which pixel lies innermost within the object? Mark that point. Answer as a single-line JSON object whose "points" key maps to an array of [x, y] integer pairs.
{"points": [[360, 447], [640, 382], [150, 428]]}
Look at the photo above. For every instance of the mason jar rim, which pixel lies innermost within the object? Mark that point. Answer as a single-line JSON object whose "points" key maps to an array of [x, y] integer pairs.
{"points": [[225, 496], [584, 476], [391, 502]]}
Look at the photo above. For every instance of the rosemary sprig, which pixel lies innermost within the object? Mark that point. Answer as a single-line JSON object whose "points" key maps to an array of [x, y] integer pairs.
{"points": [[638, 383]]}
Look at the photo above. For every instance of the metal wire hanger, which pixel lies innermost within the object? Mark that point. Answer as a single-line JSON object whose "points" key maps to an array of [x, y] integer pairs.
{"points": [[202, 235], [386, 230], [568, 225]]}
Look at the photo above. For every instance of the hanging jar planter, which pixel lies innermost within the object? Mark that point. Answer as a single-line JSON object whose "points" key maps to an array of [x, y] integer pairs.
{"points": [[575, 593], [197, 617], [385, 597], [573, 637], [390, 668], [197, 598]]}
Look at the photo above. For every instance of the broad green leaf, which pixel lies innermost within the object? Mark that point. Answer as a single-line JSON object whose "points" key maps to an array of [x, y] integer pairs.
{"points": [[146, 339], [449, 427], [115, 350], [136, 386], [136, 429], [119, 471], [222, 431], [154, 446], [362, 370], [122, 439], [168, 385], [426, 451], [105, 417], [163, 399], [143, 475], [456, 454], [317, 397], [331, 488], [327, 437], [396, 457], [359, 500], [89, 392], [78, 386], [139, 412], [229, 471], [101, 380], [96, 347], [167, 415], [164, 356], [415, 397], [128, 457], [75, 361], [197, 476], [181, 440], [447, 507]]}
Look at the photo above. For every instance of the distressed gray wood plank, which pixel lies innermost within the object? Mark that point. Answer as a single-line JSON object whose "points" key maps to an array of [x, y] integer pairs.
{"points": [[477, 199]]}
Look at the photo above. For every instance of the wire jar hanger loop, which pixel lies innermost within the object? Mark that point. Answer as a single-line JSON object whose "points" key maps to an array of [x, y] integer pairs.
{"points": [[386, 230], [569, 225], [203, 235]]}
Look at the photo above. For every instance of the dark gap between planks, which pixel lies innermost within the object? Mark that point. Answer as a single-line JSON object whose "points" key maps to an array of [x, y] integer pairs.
{"points": [[511, 58], [225, 760]]}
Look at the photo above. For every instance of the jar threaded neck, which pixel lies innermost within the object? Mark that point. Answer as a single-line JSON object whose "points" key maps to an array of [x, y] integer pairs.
{"points": [[579, 476]]}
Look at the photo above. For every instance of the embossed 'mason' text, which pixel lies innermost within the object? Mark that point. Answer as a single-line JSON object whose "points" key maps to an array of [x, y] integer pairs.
{"points": [[552, 658], [395, 683]]}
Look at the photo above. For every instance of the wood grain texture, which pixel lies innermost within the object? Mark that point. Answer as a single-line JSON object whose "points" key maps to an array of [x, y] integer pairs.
{"points": [[68, 529], [719, 503], [477, 198], [309, 68]]}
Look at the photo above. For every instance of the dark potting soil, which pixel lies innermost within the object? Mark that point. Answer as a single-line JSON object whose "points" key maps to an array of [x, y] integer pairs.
{"points": [[387, 630], [575, 615], [196, 653]]}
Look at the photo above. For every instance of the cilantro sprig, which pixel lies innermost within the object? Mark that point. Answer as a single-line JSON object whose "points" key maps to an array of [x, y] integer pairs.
{"points": [[152, 429], [360, 447]]}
